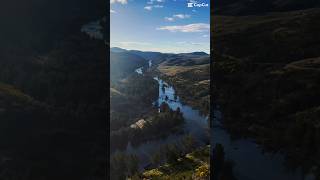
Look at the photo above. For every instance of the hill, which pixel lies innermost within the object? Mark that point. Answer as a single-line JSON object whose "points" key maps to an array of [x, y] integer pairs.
{"points": [[273, 37], [156, 57], [190, 75], [266, 76], [124, 63]]}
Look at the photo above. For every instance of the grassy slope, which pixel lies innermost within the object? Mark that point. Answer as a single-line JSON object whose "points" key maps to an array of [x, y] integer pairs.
{"points": [[274, 37], [8, 91], [191, 78], [186, 168]]}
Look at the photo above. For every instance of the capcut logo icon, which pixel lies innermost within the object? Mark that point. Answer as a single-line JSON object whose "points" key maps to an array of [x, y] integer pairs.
{"points": [[198, 5]]}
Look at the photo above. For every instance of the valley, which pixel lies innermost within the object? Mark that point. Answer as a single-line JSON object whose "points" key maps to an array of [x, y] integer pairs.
{"points": [[181, 123]]}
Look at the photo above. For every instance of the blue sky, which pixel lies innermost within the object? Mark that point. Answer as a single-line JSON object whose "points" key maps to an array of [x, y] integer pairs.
{"points": [[160, 25]]}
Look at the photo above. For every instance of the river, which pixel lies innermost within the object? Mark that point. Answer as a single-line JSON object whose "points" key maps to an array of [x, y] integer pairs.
{"points": [[195, 124], [251, 162]]}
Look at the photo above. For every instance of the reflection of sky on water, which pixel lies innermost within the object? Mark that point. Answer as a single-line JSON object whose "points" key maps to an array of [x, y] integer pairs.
{"points": [[139, 71], [150, 63]]}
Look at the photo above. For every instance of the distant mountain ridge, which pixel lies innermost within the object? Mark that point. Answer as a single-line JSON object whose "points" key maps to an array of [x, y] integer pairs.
{"points": [[189, 59], [117, 49]]}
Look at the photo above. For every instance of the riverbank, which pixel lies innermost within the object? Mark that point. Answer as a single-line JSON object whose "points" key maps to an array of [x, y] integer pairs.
{"points": [[193, 123], [192, 84]]}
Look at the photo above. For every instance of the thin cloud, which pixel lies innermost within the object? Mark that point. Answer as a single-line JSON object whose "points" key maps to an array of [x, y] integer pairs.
{"points": [[177, 16], [188, 43], [112, 11], [152, 1], [197, 27], [197, 44], [181, 16], [129, 43], [149, 8], [158, 6], [150, 4], [169, 19], [119, 1]]}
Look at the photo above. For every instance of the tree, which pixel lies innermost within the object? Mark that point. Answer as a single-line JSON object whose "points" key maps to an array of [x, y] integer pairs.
{"points": [[118, 167], [189, 142], [132, 164], [156, 158], [172, 153]]}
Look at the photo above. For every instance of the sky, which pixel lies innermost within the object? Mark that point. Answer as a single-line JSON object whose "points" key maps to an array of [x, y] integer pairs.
{"points": [[167, 26]]}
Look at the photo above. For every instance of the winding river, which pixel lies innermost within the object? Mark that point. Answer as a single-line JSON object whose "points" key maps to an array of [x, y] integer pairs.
{"points": [[195, 124], [250, 161]]}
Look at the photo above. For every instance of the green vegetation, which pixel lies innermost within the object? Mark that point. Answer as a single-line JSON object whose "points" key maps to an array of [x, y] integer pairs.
{"points": [[181, 160], [157, 126], [191, 79], [122, 166], [142, 122], [126, 95], [192, 165]]}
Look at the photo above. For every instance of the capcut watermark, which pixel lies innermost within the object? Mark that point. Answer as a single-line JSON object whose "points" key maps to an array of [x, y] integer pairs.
{"points": [[197, 5]]}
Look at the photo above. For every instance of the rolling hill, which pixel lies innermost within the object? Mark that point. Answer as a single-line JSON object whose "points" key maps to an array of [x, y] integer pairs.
{"points": [[124, 63], [266, 76]]}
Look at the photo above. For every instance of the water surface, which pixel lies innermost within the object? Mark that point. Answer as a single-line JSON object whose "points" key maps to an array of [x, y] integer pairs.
{"points": [[250, 161], [195, 124]]}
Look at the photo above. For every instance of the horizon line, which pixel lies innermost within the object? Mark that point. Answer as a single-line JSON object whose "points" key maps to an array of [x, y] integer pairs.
{"points": [[158, 51]]}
